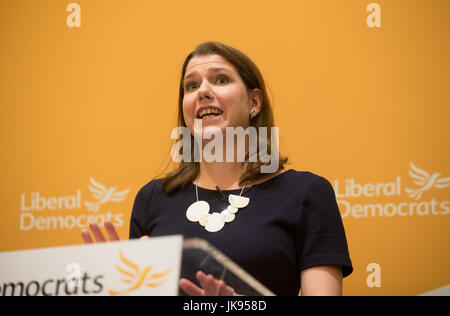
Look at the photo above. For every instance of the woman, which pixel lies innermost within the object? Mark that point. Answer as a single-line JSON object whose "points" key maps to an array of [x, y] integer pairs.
{"points": [[283, 227]]}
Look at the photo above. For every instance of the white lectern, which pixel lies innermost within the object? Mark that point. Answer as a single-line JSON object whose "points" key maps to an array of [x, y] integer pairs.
{"points": [[137, 267]]}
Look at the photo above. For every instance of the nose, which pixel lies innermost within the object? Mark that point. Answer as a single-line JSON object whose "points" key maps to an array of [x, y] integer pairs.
{"points": [[205, 92]]}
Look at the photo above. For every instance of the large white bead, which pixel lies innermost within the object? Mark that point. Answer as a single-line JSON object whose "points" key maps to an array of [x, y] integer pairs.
{"points": [[204, 219], [238, 201], [196, 210], [215, 223], [227, 217], [232, 210]]}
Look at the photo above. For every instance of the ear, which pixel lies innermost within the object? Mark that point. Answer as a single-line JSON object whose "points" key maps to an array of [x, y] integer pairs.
{"points": [[255, 98]]}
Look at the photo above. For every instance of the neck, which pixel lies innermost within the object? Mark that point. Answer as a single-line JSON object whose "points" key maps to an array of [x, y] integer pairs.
{"points": [[224, 174]]}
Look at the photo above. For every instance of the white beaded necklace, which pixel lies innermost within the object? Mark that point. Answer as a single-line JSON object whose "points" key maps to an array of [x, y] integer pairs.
{"points": [[199, 212]]}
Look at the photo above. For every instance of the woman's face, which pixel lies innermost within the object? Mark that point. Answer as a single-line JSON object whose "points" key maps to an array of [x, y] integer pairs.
{"points": [[215, 94]]}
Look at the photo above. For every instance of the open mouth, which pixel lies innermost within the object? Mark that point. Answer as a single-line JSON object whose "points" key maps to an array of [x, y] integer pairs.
{"points": [[209, 113]]}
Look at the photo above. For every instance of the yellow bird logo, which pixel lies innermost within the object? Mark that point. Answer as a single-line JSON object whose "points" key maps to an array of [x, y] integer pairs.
{"points": [[103, 195], [135, 278], [425, 181]]}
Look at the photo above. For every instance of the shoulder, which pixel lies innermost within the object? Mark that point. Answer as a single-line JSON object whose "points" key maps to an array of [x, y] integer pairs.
{"points": [[307, 184], [152, 187], [304, 178], [155, 188]]}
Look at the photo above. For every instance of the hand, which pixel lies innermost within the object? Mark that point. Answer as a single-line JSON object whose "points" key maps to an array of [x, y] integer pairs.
{"points": [[98, 235], [210, 286]]}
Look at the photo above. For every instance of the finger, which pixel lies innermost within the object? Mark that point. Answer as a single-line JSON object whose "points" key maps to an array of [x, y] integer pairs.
{"points": [[224, 290], [144, 237], [201, 277], [86, 236], [97, 232], [221, 288], [227, 291], [190, 288], [213, 287], [112, 233], [210, 286]]}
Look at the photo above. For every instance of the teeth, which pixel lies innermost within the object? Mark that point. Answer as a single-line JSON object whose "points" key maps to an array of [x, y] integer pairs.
{"points": [[209, 112]]}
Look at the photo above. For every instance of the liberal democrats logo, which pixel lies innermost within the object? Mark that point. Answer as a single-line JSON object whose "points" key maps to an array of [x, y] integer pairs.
{"points": [[103, 195], [71, 211], [391, 198], [425, 181], [134, 277]]}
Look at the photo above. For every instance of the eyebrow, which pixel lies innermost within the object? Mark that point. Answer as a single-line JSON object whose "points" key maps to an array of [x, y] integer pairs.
{"points": [[209, 70]]}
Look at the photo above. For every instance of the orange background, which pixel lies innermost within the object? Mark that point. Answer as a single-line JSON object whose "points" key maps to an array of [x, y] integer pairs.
{"points": [[351, 102]]}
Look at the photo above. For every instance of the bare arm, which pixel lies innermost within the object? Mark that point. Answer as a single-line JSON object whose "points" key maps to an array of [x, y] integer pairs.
{"points": [[322, 281]]}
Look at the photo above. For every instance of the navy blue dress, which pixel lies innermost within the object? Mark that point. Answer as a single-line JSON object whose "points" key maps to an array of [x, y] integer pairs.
{"points": [[291, 223]]}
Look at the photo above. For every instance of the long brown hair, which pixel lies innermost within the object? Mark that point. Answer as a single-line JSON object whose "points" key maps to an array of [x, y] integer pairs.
{"points": [[187, 172]]}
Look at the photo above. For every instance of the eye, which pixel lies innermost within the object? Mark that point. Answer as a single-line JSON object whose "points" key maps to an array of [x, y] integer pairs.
{"points": [[222, 79], [189, 86]]}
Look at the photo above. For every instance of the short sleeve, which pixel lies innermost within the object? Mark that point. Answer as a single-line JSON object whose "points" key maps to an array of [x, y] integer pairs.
{"points": [[322, 239], [141, 207]]}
